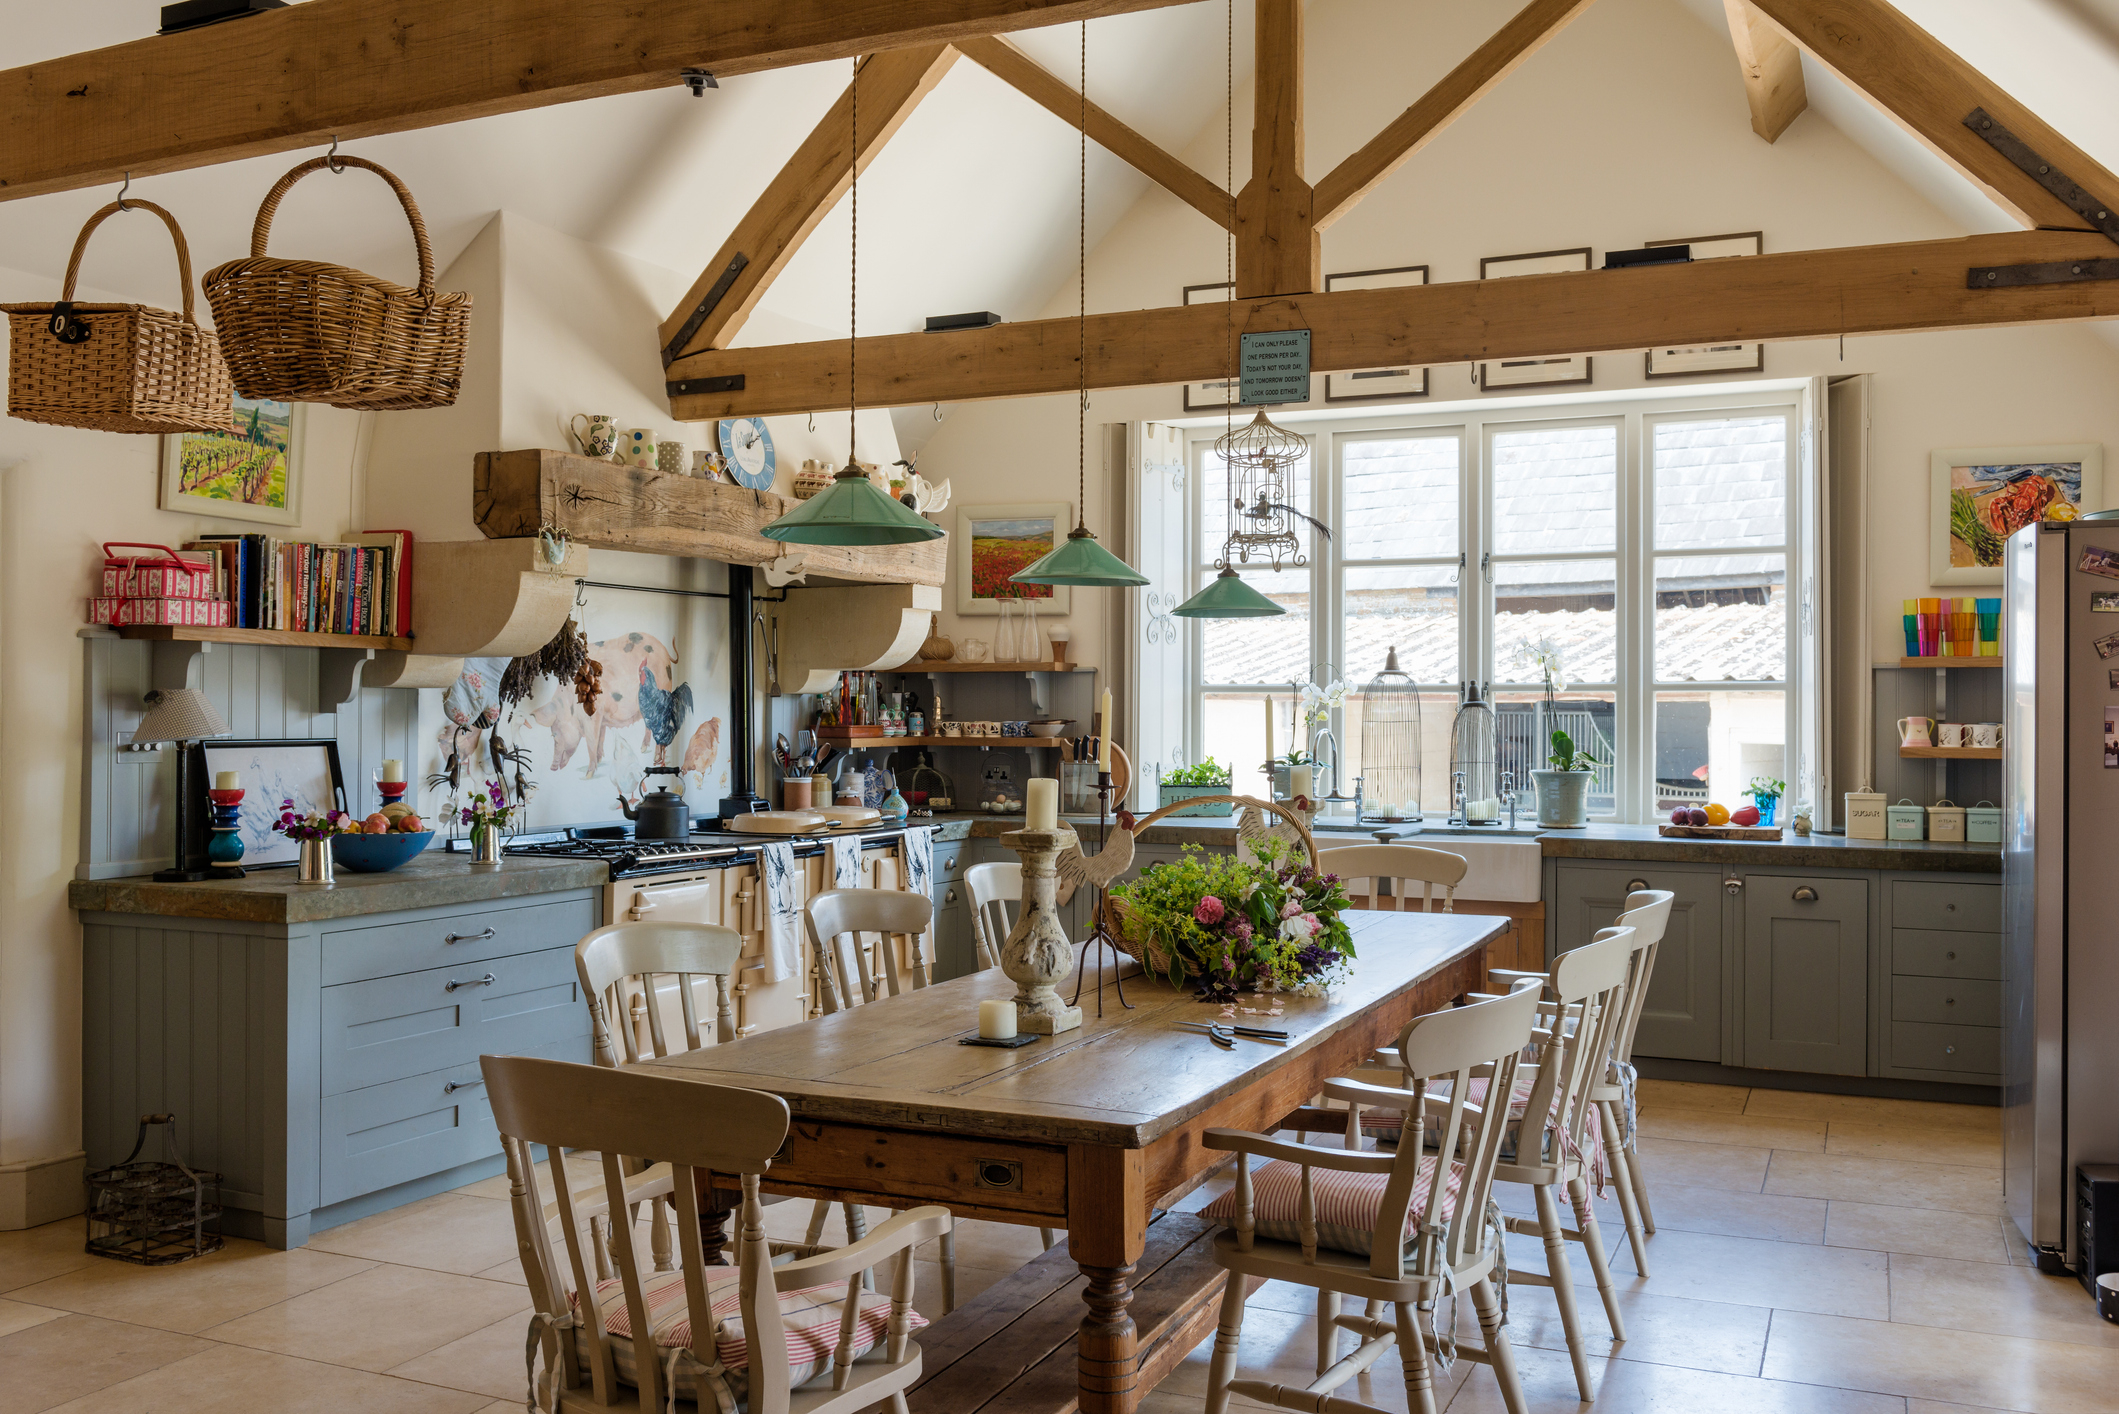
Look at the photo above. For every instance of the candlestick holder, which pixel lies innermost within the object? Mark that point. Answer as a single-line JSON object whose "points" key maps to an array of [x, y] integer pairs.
{"points": [[393, 794], [1037, 951], [224, 851], [1101, 937]]}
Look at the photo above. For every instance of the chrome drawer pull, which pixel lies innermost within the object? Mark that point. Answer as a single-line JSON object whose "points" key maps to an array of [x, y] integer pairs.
{"points": [[467, 937], [1806, 894], [452, 984], [455, 1085]]}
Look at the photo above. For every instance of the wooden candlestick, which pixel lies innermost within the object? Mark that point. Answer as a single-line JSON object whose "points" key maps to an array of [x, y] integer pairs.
{"points": [[1037, 954]]}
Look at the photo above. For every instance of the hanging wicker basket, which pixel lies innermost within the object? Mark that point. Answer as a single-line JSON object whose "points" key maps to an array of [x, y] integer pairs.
{"points": [[308, 331], [1135, 941], [116, 367]]}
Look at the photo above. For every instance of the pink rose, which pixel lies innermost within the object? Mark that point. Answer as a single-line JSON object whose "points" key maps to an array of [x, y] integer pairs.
{"points": [[1208, 912], [1291, 908]]}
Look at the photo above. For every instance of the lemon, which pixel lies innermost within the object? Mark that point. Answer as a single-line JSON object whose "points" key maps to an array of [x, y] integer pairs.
{"points": [[1717, 814]]}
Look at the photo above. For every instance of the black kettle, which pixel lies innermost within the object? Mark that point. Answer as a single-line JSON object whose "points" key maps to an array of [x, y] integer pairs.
{"points": [[662, 814]]}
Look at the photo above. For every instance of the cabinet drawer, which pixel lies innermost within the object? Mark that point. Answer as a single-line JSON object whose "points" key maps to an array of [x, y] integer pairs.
{"points": [[949, 863], [395, 1027], [1968, 1050], [1956, 1001], [1958, 908], [1923, 952], [486, 931]]}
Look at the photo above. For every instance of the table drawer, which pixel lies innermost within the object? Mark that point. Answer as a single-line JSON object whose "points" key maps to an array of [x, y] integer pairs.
{"points": [[934, 1168], [480, 932], [1967, 1050], [1958, 908], [1925, 952], [395, 1027], [1953, 1000]]}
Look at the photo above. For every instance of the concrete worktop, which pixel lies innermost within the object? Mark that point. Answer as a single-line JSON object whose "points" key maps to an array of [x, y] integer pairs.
{"points": [[1792, 850], [433, 880]]}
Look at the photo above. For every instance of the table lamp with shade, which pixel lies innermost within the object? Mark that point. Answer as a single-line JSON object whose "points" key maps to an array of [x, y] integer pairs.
{"points": [[182, 715]]}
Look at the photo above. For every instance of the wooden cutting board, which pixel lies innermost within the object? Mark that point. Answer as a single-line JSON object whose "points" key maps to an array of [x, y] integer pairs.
{"points": [[778, 822], [1720, 832]]}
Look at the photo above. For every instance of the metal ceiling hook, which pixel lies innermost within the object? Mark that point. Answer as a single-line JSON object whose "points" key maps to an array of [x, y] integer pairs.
{"points": [[331, 158], [121, 193]]}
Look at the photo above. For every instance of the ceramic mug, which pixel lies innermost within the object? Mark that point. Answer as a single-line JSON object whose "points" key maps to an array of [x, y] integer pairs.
{"points": [[596, 435], [1915, 731], [669, 458], [1986, 734], [1949, 733], [638, 445], [706, 465]]}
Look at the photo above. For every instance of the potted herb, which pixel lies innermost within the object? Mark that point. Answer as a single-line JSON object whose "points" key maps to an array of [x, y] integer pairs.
{"points": [[1766, 793], [1186, 782], [1563, 787]]}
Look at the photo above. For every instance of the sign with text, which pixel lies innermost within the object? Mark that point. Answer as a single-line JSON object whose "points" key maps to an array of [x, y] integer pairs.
{"points": [[1276, 367]]}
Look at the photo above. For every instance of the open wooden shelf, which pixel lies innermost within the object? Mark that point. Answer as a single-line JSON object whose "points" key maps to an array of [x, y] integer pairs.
{"points": [[1952, 753], [282, 638], [1967, 662], [894, 742], [923, 666]]}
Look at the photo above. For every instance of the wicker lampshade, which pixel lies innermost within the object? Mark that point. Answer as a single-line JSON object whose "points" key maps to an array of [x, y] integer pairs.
{"points": [[181, 714]]}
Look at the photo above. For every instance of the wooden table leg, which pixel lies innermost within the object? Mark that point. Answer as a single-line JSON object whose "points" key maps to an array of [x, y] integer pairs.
{"points": [[1107, 1222], [715, 1204]]}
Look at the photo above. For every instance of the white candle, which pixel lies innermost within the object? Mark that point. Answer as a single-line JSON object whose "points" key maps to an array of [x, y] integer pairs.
{"points": [[1041, 804], [227, 780], [393, 770], [996, 1021], [1299, 781], [1103, 742], [1269, 746]]}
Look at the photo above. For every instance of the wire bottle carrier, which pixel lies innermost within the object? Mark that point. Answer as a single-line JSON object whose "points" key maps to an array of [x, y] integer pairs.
{"points": [[154, 1212]]}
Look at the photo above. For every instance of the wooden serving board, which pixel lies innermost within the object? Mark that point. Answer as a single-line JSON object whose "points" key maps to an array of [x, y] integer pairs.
{"points": [[1720, 832]]}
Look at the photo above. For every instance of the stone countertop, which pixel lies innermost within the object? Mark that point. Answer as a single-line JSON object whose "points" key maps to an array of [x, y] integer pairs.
{"points": [[1793, 850], [433, 880]]}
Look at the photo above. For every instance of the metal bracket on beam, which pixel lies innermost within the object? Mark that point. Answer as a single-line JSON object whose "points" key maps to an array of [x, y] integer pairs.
{"points": [[705, 307], [2097, 211], [732, 383], [2058, 272]]}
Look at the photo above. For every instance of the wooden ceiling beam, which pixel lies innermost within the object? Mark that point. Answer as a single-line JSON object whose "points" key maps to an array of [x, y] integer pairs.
{"points": [[1017, 69], [1277, 251], [1772, 68], [1493, 61], [1763, 298], [1909, 74], [296, 77], [779, 221]]}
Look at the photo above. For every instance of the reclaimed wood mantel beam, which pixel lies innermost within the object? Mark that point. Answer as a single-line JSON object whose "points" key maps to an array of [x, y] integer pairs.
{"points": [[358, 68], [1764, 298]]}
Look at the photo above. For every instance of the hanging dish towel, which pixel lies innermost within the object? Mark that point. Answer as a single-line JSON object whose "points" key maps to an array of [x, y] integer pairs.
{"points": [[846, 862], [783, 912], [919, 861]]}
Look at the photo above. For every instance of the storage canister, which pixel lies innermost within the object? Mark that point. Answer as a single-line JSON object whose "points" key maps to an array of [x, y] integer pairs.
{"points": [[1905, 821], [1946, 822], [1864, 815], [1982, 823]]}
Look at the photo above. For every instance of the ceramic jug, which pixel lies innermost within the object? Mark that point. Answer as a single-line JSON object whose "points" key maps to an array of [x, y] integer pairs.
{"points": [[1915, 731], [595, 432]]}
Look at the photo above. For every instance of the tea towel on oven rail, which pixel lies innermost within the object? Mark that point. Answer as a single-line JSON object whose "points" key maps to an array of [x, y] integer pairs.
{"points": [[783, 911]]}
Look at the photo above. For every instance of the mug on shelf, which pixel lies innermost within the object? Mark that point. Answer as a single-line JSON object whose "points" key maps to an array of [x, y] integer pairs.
{"points": [[1950, 734], [1986, 735], [594, 433], [706, 465], [1915, 731], [669, 458], [638, 445]]}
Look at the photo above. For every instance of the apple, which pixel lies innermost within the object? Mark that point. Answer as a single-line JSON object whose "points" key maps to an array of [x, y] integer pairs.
{"points": [[377, 824], [1748, 815], [1681, 816], [410, 824], [1695, 817]]}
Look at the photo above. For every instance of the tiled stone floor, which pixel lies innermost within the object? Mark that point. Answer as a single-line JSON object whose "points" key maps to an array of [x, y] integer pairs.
{"points": [[1816, 1255]]}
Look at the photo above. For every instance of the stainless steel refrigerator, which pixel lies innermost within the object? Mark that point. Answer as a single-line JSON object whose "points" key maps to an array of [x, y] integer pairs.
{"points": [[2060, 870]]}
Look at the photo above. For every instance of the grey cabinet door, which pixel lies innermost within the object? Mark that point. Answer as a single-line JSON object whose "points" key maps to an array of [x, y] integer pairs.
{"points": [[1683, 1017], [1806, 973]]}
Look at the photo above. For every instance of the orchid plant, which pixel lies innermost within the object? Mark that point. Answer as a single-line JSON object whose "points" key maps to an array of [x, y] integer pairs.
{"points": [[1316, 701], [1543, 656]]}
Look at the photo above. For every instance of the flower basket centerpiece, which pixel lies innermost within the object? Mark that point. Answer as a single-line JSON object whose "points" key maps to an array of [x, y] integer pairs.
{"points": [[1207, 779]]}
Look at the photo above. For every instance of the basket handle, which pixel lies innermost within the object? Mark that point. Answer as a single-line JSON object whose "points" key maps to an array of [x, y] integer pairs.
{"points": [[73, 266], [262, 230], [172, 557], [1287, 813]]}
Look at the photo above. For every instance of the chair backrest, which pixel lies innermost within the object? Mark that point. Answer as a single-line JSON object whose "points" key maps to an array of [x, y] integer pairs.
{"points": [[613, 960], [1588, 994], [1401, 864], [993, 888], [838, 917], [1648, 914]]}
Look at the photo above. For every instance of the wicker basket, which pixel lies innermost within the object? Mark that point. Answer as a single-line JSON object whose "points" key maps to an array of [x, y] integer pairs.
{"points": [[307, 331], [116, 367], [1142, 949]]}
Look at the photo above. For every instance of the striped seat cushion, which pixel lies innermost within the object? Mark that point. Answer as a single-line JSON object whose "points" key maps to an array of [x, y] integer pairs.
{"points": [[1386, 1123], [810, 1316], [1347, 1203]]}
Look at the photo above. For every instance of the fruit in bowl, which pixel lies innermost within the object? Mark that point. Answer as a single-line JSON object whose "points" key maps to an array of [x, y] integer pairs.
{"points": [[377, 852]]}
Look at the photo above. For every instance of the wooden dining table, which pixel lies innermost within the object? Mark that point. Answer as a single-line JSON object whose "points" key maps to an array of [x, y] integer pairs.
{"points": [[1090, 1130]]}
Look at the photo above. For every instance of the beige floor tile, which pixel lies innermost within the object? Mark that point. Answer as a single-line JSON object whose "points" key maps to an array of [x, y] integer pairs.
{"points": [[227, 1379], [1923, 1232], [1635, 1387], [20, 1316], [31, 1255], [1921, 1114], [1281, 1346], [1684, 1095], [583, 1167], [1003, 1247], [508, 1271], [378, 1319], [1885, 1181], [927, 1286], [1922, 1146], [2039, 1376], [1662, 1330], [1702, 1165], [1748, 1272], [488, 1361], [190, 1296], [1742, 1130], [1979, 1296], [55, 1361], [1929, 1406], [445, 1233], [1683, 1208]]}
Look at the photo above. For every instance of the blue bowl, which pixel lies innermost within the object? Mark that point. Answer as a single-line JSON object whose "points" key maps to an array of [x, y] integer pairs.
{"points": [[377, 854]]}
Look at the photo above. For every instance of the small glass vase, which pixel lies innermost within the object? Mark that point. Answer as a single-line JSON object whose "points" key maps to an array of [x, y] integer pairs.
{"points": [[316, 863], [485, 846], [1004, 633]]}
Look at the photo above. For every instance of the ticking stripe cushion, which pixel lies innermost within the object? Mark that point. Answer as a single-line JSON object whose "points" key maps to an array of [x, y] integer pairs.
{"points": [[1347, 1203], [810, 1316], [1387, 1123]]}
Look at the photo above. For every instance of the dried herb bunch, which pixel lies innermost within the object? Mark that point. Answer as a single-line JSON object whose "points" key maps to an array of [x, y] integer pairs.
{"points": [[563, 660]]}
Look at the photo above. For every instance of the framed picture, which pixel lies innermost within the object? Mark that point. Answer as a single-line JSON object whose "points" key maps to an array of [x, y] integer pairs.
{"points": [[1711, 358], [1376, 385], [302, 769], [1530, 372], [2104, 603], [993, 542], [1979, 496], [1216, 393], [252, 473]]}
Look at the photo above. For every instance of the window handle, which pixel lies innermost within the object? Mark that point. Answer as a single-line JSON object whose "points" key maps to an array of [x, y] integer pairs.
{"points": [[1486, 567]]}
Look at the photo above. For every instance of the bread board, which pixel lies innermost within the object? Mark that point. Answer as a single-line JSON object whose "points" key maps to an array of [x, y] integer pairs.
{"points": [[777, 822], [1720, 832]]}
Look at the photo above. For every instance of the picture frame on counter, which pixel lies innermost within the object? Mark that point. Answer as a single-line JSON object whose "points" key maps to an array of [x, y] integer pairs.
{"points": [[1979, 496], [1684, 362], [254, 473], [304, 770], [1376, 385], [993, 542], [1539, 372]]}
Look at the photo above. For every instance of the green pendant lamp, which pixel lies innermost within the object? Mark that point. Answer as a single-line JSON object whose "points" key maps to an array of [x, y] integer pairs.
{"points": [[1228, 597], [853, 510], [1081, 560]]}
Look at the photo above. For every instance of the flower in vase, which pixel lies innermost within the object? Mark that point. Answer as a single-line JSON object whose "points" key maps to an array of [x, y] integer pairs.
{"points": [[1209, 911]]}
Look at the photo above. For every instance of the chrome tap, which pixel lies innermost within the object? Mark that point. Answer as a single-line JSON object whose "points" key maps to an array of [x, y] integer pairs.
{"points": [[1508, 793], [1319, 740], [1456, 798]]}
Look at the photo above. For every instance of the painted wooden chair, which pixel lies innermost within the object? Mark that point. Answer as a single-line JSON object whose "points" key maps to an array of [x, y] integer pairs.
{"points": [[993, 887], [803, 1336], [1399, 865], [1403, 1230]]}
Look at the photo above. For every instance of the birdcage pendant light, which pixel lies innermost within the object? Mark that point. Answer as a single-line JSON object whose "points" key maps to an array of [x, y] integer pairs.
{"points": [[1474, 742], [1260, 458], [1390, 746]]}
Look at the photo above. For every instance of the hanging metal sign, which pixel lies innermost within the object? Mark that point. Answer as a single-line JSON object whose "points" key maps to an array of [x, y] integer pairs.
{"points": [[1276, 367]]}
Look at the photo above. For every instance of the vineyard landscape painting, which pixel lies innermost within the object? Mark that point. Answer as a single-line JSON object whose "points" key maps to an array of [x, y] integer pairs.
{"points": [[1985, 496], [993, 542], [251, 473]]}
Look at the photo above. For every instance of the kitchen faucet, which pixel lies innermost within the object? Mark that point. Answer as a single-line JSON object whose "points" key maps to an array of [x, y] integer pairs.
{"points": [[1508, 793]]}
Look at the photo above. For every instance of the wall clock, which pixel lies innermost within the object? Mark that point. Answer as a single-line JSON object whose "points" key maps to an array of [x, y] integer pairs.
{"points": [[748, 446]]}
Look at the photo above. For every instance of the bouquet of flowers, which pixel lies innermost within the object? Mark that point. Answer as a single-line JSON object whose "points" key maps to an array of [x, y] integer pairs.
{"points": [[1267, 925], [490, 811], [318, 825]]}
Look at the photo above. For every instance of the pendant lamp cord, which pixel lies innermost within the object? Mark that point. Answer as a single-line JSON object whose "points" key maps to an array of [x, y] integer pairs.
{"points": [[1228, 243], [1081, 307], [853, 267]]}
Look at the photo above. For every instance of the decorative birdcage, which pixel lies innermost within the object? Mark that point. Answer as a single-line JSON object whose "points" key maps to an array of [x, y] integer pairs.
{"points": [[1474, 752], [1390, 746], [1261, 457], [928, 790], [154, 1213]]}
